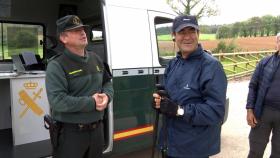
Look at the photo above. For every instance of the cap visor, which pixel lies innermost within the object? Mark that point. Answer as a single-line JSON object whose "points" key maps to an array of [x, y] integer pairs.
{"points": [[180, 27], [72, 28]]}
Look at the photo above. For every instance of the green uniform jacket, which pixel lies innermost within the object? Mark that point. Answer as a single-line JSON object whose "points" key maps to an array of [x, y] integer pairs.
{"points": [[71, 80]]}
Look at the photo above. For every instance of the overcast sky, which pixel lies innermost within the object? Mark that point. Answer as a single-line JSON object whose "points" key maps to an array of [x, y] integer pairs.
{"points": [[239, 10]]}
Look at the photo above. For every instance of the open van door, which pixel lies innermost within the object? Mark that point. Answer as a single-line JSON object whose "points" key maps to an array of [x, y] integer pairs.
{"points": [[130, 54], [160, 24]]}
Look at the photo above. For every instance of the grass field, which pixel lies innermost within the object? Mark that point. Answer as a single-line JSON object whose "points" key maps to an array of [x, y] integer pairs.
{"points": [[207, 37], [229, 69], [202, 37]]}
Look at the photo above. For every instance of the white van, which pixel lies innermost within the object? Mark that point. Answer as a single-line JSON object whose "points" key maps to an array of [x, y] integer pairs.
{"points": [[124, 33]]}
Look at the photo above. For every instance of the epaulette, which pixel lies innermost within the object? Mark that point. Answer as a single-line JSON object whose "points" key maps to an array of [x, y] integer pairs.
{"points": [[54, 57]]}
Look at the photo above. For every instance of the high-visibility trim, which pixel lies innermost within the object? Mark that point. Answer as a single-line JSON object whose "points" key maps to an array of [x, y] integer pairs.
{"points": [[133, 132], [76, 71]]}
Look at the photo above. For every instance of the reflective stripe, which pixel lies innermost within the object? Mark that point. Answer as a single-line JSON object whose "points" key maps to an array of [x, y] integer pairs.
{"points": [[76, 71], [133, 132]]}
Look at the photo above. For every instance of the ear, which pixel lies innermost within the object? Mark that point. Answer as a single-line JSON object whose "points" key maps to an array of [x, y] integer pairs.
{"points": [[62, 38], [173, 37]]}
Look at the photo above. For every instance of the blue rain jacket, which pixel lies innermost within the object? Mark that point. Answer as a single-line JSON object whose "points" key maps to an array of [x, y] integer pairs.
{"points": [[260, 83], [199, 84]]}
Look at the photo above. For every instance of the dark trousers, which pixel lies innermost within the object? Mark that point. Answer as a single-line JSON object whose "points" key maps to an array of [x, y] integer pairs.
{"points": [[75, 143], [259, 136]]}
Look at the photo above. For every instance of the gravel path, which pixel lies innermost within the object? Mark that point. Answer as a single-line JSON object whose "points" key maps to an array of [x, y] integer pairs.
{"points": [[235, 131]]}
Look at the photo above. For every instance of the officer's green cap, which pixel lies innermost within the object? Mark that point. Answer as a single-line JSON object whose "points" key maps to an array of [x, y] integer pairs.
{"points": [[68, 22]]}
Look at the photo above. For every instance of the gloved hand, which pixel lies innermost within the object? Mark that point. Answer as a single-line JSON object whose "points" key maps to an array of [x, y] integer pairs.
{"points": [[157, 95], [168, 107], [162, 93], [154, 104]]}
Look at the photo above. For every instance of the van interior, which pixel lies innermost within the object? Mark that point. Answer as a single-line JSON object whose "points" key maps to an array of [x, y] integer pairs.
{"points": [[32, 28]]}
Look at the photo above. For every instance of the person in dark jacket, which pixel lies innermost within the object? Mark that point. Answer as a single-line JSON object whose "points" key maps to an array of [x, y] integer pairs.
{"points": [[263, 106], [78, 92], [194, 101]]}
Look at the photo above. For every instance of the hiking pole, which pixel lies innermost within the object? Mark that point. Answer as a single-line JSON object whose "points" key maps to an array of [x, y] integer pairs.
{"points": [[164, 128], [155, 132], [161, 91]]}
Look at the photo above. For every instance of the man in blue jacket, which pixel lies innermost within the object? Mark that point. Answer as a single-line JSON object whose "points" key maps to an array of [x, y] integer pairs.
{"points": [[263, 106], [194, 105]]}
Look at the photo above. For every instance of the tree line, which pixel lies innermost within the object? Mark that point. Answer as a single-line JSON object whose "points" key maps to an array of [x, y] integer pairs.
{"points": [[267, 25], [256, 26]]}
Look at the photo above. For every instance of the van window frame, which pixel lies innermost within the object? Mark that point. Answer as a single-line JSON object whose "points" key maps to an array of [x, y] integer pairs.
{"points": [[163, 60], [2, 22]]}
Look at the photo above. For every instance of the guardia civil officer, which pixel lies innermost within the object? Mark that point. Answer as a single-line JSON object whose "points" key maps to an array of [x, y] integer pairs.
{"points": [[78, 90], [194, 106]]}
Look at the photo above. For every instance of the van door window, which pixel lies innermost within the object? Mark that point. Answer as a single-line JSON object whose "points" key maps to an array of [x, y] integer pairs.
{"points": [[96, 43], [96, 35], [18, 38], [166, 47]]}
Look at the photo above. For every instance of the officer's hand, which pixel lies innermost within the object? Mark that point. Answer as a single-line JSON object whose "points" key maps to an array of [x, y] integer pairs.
{"points": [[97, 99], [156, 100], [105, 99], [251, 119], [101, 101], [168, 107]]}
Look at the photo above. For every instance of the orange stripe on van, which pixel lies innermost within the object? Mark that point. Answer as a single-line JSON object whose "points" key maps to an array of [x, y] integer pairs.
{"points": [[133, 132]]}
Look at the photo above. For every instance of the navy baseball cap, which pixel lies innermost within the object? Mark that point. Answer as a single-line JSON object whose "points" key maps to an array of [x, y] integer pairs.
{"points": [[68, 22], [183, 21]]}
